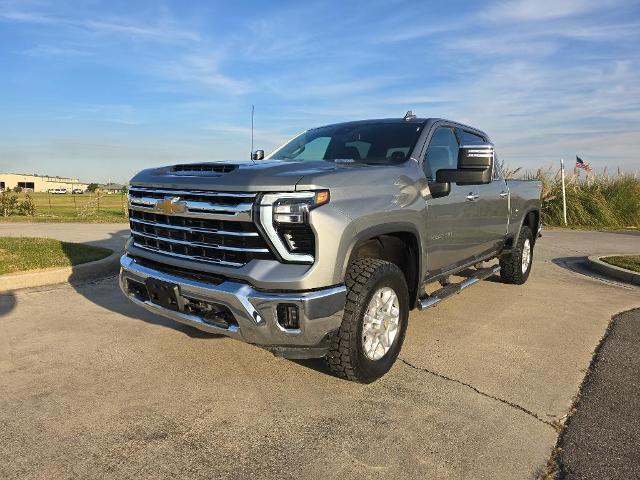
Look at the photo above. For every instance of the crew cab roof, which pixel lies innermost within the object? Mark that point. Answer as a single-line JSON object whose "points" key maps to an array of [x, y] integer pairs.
{"points": [[416, 121]]}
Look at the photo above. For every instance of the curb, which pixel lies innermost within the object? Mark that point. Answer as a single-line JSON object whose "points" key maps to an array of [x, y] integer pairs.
{"points": [[612, 271], [78, 273]]}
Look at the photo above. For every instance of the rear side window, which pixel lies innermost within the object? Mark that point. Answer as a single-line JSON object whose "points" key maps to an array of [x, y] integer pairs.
{"points": [[469, 138], [442, 152]]}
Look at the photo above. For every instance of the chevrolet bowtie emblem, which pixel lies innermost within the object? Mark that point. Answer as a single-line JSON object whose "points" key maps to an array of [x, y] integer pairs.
{"points": [[171, 205]]}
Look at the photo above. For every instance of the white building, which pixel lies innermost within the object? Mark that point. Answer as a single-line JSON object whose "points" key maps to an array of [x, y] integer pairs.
{"points": [[38, 183]]}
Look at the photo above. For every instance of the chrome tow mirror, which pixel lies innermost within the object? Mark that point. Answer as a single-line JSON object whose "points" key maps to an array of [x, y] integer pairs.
{"points": [[475, 166]]}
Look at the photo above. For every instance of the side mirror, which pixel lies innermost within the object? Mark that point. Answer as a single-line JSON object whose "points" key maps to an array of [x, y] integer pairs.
{"points": [[475, 166], [257, 155], [476, 156], [439, 189], [468, 176]]}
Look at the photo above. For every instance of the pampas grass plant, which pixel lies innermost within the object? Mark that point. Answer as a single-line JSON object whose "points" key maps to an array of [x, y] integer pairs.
{"points": [[594, 200]]}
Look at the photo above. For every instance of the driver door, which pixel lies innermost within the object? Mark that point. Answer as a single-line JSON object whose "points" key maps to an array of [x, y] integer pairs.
{"points": [[450, 219]]}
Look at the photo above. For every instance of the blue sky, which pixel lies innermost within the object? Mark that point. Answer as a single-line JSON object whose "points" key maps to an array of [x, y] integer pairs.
{"points": [[100, 90]]}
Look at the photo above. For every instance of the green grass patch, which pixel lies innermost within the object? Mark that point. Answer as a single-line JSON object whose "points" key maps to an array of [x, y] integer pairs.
{"points": [[18, 254], [85, 208], [630, 262]]}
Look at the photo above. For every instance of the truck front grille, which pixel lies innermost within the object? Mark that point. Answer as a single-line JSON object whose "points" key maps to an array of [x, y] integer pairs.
{"points": [[213, 227]]}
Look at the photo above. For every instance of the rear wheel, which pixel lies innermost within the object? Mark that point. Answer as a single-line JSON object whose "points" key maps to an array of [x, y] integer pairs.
{"points": [[516, 266], [374, 324]]}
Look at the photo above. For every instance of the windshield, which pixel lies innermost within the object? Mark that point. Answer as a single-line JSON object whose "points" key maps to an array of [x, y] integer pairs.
{"points": [[381, 143]]}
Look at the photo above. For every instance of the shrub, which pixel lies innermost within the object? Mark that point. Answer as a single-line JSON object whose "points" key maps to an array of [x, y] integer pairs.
{"points": [[8, 204], [27, 207]]}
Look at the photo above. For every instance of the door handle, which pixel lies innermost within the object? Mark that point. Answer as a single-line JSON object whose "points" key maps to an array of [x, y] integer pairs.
{"points": [[504, 194], [472, 197]]}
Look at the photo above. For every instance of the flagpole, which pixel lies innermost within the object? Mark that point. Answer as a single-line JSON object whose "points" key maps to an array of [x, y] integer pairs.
{"points": [[564, 194]]}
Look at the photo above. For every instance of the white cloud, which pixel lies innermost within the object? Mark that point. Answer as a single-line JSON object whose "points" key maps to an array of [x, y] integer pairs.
{"points": [[204, 70], [163, 31], [533, 10]]}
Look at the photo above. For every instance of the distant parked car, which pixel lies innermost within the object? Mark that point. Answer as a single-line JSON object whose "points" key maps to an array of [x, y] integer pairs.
{"points": [[77, 191], [58, 191]]}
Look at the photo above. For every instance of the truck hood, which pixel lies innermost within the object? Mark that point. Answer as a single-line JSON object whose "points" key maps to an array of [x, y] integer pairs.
{"points": [[241, 175]]}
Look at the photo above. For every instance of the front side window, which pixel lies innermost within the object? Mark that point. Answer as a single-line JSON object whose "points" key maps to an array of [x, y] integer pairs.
{"points": [[442, 152], [315, 149], [373, 143]]}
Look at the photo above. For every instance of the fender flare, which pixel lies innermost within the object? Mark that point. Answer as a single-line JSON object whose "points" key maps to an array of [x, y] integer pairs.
{"points": [[525, 215], [389, 228]]}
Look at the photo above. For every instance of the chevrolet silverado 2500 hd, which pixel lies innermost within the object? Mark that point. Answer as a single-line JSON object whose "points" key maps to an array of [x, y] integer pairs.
{"points": [[322, 248]]}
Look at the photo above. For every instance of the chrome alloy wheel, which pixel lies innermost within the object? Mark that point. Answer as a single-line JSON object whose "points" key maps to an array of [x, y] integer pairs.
{"points": [[381, 323], [526, 255]]}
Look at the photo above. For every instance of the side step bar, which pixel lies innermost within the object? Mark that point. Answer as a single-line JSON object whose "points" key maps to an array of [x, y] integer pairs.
{"points": [[455, 288]]}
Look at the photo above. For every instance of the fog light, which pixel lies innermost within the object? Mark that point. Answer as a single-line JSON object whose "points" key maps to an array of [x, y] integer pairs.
{"points": [[288, 316]]}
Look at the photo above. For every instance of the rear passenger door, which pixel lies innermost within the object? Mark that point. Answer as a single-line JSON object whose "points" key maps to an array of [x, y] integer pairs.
{"points": [[450, 228]]}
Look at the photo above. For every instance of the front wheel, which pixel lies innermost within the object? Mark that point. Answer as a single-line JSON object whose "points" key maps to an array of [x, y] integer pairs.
{"points": [[516, 266], [374, 324]]}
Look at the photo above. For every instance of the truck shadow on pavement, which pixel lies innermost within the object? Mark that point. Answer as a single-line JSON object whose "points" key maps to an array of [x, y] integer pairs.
{"points": [[105, 292], [7, 302]]}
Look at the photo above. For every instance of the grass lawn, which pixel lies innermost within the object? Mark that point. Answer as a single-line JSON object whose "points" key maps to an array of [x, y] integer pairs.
{"points": [[85, 208], [630, 262], [18, 254]]}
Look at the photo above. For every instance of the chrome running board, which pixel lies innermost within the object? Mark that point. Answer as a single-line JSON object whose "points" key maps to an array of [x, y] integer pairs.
{"points": [[455, 288]]}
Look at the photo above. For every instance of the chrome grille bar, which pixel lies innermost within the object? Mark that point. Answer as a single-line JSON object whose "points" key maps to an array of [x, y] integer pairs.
{"points": [[193, 205], [195, 229], [201, 244], [239, 215], [189, 257]]}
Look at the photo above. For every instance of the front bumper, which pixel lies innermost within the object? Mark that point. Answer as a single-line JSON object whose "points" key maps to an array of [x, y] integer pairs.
{"points": [[254, 312]]}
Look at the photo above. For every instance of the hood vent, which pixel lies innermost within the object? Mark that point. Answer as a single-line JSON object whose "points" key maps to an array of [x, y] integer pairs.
{"points": [[202, 169]]}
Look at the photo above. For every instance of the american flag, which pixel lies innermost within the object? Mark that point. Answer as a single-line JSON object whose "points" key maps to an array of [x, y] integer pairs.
{"points": [[582, 164]]}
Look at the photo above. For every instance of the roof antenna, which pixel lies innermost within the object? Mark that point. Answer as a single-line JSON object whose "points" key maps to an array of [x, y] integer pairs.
{"points": [[409, 116], [252, 110]]}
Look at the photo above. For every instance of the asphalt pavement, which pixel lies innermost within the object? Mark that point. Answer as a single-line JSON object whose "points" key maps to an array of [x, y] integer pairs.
{"points": [[601, 440], [95, 387]]}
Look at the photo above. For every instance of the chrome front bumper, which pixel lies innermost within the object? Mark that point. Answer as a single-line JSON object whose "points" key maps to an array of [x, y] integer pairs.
{"points": [[320, 311]]}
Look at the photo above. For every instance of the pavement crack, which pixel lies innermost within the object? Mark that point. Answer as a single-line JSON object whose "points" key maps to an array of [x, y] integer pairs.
{"points": [[553, 425]]}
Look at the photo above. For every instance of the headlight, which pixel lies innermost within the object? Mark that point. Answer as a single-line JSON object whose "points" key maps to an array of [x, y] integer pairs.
{"points": [[285, 219], [295, 209]]}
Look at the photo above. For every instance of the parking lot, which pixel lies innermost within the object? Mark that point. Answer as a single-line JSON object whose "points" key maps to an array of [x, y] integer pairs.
{"points": [[94, 387]]}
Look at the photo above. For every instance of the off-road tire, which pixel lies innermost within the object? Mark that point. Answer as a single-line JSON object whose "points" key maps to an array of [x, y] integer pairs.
{"points": [[346, 357], [511, 264]]}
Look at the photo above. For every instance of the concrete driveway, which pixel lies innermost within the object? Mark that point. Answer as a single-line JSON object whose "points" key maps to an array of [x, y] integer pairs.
{"points": [[93, 387]]}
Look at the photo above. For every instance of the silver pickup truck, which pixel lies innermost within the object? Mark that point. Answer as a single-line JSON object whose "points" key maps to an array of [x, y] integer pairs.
{"points": [[322, 248]]}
